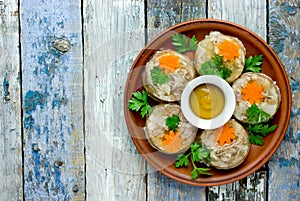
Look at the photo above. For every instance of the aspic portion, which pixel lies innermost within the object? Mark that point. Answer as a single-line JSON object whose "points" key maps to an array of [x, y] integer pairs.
{"points": [[222, 55], [229, 145], [165, 137], [166, 74], [256, 90]]}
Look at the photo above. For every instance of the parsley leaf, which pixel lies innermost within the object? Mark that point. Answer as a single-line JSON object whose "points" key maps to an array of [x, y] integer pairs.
{"points": [[261, 129], [158, 76], [183, 44], [182, 160], [198, 153], [139, 102], [172, 122], [253, 64], [256, 139], [256, 115], [258, 131], [215, 66], [193, 43], [198, 171]]}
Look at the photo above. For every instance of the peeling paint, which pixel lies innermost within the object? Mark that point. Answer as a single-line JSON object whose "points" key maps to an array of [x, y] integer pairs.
{"points": [[283, 162], [5, 88], [59, 101], [33, 99], [29, 122], [37, 162]]}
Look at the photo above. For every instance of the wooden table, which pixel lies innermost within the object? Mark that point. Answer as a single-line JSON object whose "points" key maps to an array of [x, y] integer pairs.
{"points": [[62, 74]]}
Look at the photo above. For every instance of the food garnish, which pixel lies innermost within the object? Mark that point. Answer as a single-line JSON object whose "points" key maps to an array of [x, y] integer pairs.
{"points": [[198, 153], [253, 64], [255, 114], [158, 76], [169, 63], [139, 102], [258, 131], [215, 66], [183, 43], [252, 93], [172, 122], [229, 50], [224, 134], [172, 141]]}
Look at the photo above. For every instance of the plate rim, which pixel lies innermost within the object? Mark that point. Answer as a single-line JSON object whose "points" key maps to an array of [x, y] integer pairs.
{"points": [[262, 161]]}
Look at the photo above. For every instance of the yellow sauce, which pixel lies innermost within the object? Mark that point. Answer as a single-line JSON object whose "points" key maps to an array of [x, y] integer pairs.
{"points": [[207, 101]]}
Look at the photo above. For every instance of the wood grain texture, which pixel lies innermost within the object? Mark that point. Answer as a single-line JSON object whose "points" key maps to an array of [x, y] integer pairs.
{"points": [[52, 87], [160, 16], [251, 14], [113, 36], [284, 29], [248, 14], [10, 104]]}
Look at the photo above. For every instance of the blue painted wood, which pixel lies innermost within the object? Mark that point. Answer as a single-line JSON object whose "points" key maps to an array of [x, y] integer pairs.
{"points": [[52, 93], [284, 174]]}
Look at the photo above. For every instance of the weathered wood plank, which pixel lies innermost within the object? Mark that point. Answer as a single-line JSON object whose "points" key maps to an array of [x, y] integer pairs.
{"points": [[162, 14], [52, 81], [10, 104], [248, 14], [113, 36], [284, 176], [251, 188]]}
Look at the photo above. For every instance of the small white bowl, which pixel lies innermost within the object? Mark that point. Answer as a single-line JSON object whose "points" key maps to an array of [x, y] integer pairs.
{"points": [[227, 111]]}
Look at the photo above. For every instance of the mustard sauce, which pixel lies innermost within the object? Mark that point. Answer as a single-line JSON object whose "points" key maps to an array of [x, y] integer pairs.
{"points": [[207, 101]]}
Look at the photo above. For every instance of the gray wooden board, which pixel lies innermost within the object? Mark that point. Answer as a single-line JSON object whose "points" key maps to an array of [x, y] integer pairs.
{"points": [[52, 94], [10, 105], [113, 36]]}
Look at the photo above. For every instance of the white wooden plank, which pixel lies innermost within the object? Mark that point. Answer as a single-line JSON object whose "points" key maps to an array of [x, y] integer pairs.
{"points": [[248, 14], [52, 81], [10, 104], [113, 36], [284, 176], [251, 14], [160, 16]]}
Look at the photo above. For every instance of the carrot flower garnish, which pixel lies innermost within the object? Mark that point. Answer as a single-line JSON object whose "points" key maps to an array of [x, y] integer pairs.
{"points": [[172, 140], [169, 62], [229, 50], [252, 93], [224, 134]]}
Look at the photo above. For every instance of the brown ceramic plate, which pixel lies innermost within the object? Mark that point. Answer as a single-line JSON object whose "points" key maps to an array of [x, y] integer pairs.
{"points": [[258, 155]]}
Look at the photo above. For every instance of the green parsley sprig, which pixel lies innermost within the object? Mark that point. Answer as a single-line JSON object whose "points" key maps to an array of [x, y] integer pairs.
{"points": [[173, 122], [158, 76], [139, 102], [183, 43], [253, 64], [258, 131], [198, 153], [215, 66], [256, 115]]}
